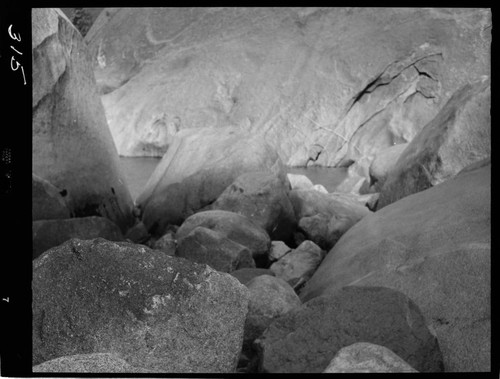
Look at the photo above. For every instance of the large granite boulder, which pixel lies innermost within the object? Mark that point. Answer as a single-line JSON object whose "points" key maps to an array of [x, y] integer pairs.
{"points": [[263, 198], [94, 362], [72, 146], [47, 202], [244, 275], [324, 218], [383, 163], [364, 357], [272, 71], [50, 233], [208, 246], [154, 311], [307, 338], [198, 167], [270, 297], [297, 266], [233, 226], [435, 247], [458, 136]]}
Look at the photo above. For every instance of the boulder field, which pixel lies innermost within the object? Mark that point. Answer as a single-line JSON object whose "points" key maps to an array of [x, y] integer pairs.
{"points": [[226, 263]]}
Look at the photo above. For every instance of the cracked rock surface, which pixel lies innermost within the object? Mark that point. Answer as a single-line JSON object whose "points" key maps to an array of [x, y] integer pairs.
{"points": [[324, 86]]}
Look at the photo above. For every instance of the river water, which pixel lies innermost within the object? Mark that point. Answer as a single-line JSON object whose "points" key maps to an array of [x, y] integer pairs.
{"points": [[137, 171]]}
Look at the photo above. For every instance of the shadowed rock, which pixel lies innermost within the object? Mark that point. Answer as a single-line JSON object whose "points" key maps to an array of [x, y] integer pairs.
{"points": [[435, 247], [307, 338]]}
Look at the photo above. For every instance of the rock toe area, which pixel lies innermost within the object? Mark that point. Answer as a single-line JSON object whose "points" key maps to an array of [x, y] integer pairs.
{"points": [[307, 338], [154, 311], [435, 247], [50, 233], [72, 145]]}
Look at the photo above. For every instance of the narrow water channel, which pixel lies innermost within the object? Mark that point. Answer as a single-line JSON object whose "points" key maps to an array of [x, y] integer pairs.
{"points": [[137, 171]]}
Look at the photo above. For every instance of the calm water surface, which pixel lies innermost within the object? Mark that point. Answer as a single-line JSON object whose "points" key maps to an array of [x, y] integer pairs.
{"points": [[137, 171]]}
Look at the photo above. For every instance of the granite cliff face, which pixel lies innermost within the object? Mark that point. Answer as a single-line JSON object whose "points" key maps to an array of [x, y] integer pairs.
{"points": [[324, 86]]}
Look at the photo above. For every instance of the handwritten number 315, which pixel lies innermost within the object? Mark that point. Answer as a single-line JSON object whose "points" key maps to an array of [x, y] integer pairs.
{"points": [[13, 60]]}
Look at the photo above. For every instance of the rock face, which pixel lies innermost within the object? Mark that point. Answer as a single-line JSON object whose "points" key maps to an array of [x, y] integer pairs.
{"points": [[458, 136], [307, 338], [96, 362], [272, 70], [47, 201], [207, 246], [235, 227], [198, 167], [299, 264], [263, 198], [434, 246], [270, 297], [154, 311], [50, 233], [384, 162], [366, 357], [324, 218], [72, 146]]}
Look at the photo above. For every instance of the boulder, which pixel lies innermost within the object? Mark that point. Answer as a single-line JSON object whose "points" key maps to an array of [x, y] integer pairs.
{"points": [[435, 247], [198, 167], [263, 198], [94, 362], [72, 145], [368, 200], [307, 338], [233, 226], [298, 181], [270, 297], [458, 136], [244, 275], [324, 218], [166, 243], [364, 357], [47, 202], [156, 312], [298, 266], [208, 246], [320, 188], [50, 233], [272, 70], [138, 233], [278, 250], [383, 163]]}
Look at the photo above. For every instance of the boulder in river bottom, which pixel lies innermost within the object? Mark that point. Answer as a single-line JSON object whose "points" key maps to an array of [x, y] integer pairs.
{"points": [[155, 311]]}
